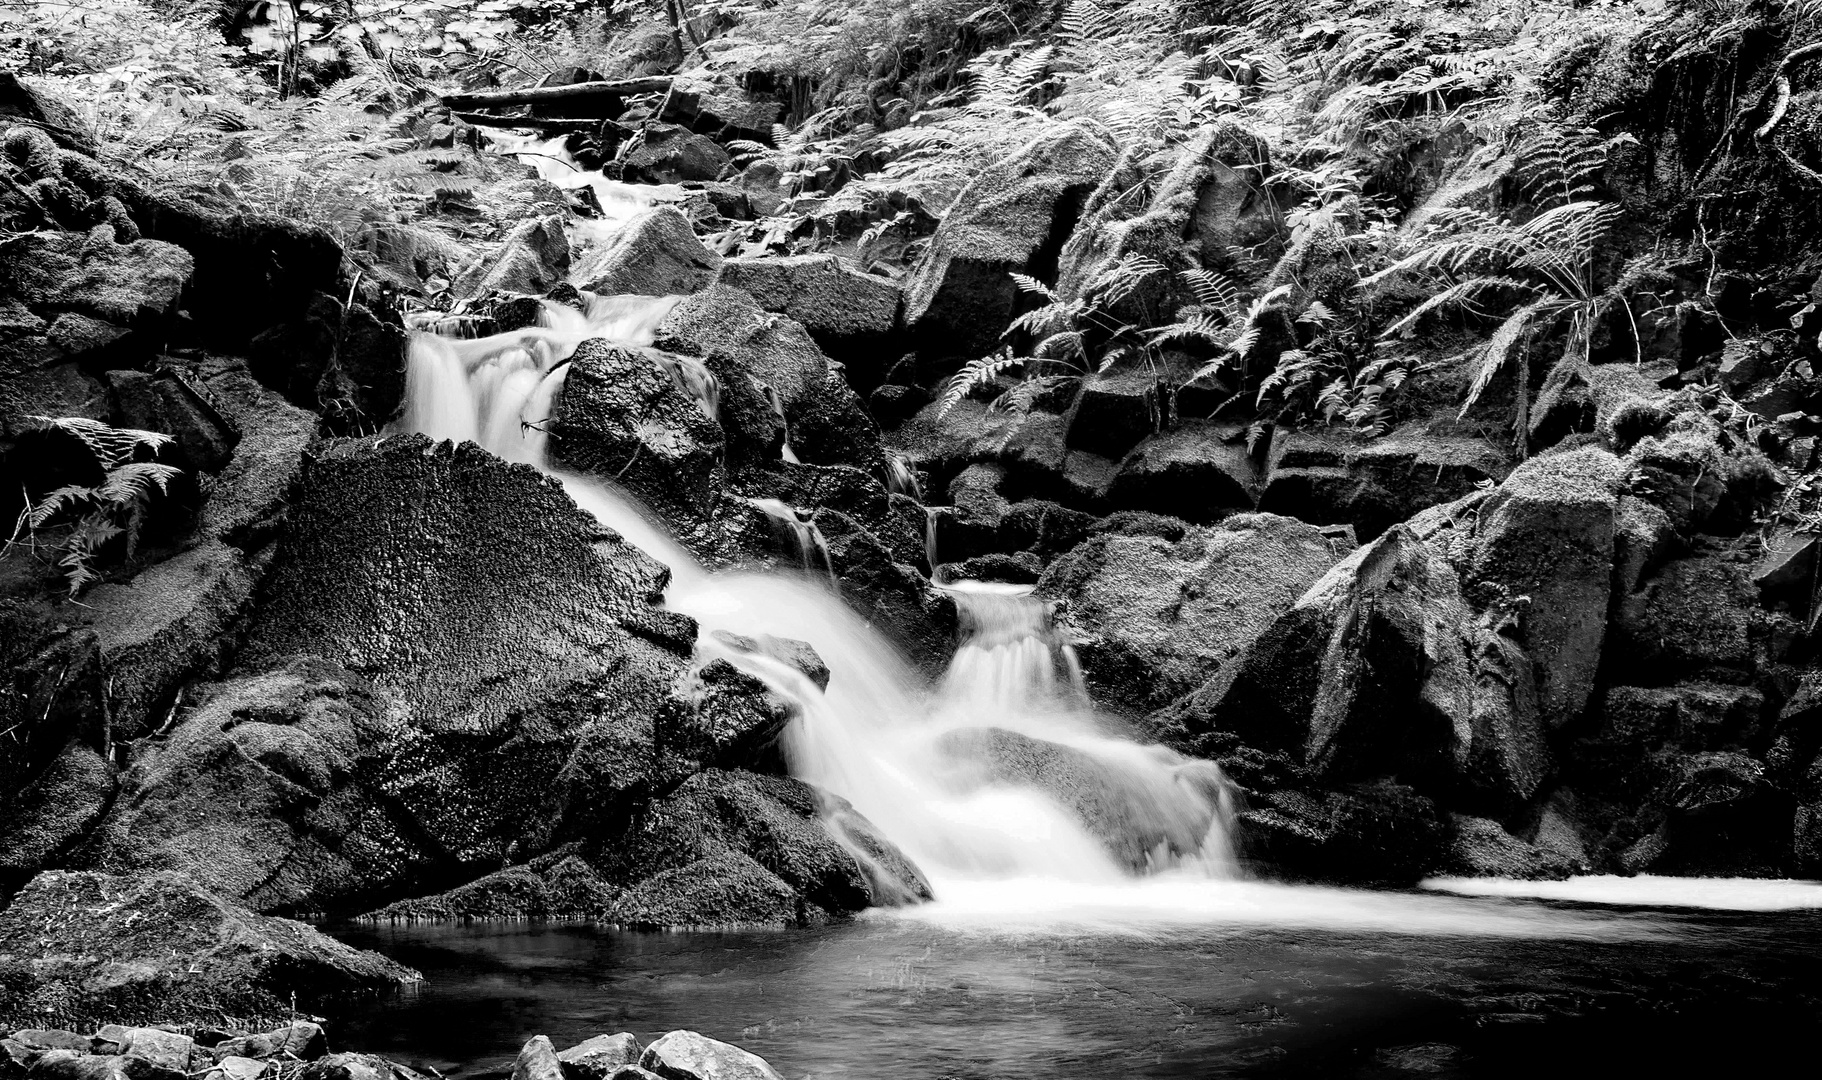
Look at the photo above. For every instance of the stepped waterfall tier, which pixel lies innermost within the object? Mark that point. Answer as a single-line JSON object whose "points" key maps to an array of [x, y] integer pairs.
{"points": [[684, 540]]}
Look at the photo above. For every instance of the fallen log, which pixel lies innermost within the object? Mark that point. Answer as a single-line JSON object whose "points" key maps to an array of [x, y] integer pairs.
{"points": [[540, 95], [489, 120]]}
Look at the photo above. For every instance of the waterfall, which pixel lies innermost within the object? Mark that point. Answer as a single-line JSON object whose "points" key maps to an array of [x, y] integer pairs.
{"points": [[1001, 772]]}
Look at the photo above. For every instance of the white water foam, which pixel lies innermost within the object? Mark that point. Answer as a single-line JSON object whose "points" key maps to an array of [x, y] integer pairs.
{"points": [[1646, 890]]}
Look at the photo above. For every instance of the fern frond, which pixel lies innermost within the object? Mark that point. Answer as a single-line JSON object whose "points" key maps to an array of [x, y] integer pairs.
{"points": [[1517, 328], [1212, 289], [110, 445], [975, 373]]}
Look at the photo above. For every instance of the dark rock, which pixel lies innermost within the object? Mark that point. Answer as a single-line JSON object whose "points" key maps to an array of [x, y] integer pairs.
{"points": [[737, 723], [668, 154], [354, 1067], [1014, 216], [599, 1057], [567, 890], [1331, 476], [51, 814], [1037, 453], [768, 367], [168, 948], [394, 560], [1694, 616], [169, 623], [833, 427], [793, 653], [736, 848], [724, 890], [1044, 528], [970, 526], [685, 1055], [716, 106], [1156, 619], [203, 440], [343, 362], [1381, 833], [1199, 472], [1547, 535], [895, 599], [1023, 568], [655, 253], [1113, 411], [624, 415], [1479, 847], [853, 317]]}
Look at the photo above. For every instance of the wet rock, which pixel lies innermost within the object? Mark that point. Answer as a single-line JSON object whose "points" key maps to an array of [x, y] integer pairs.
{"points": [[93, 945], [655, 253], [854, 317], [970, 525], [731, 847], [1479, 847], [1024, 568], [1044, 528], [130, 285], [1379, 833], [1200, 472], [769, 369], [566, 889], [1036, 451], [894, 598], [1116, 810], [395, 560], [1014, 216], [533, 259], [737, 723], [669, 154], [685, 1055], [723, 890], [597, 1058], [1157, 619], [796, 654], [344, 362], [1547, 535], [202, 440], [832, 427], [625, 415], [354, 1067], [55, 685], [236, 1068]]}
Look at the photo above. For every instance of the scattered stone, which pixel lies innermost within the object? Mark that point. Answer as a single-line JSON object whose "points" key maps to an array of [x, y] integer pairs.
{"points": [[686, 1055], [598, 1058]]}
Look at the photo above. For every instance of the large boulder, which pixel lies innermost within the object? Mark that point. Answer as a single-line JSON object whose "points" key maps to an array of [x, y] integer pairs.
{"points": [[1155, 619], [669, 154], [342, 361], [20, 101], [625, 415], [48, 817], [1200, 472], [87, 946], [854, 317], [472, 589], [532, 260], [1379, 833], [655, 253], [1014, 216], [129, 285], [732, 848], [1544, 544], [1380, 669], [686, 1055]]}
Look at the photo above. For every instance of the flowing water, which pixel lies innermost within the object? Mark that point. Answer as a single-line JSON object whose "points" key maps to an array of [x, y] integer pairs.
{"points": [[1081, 927]]}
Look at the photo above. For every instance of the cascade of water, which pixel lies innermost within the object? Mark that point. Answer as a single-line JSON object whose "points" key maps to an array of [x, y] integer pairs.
{"points": [[901, 478], [954, 774], [800, 534]]}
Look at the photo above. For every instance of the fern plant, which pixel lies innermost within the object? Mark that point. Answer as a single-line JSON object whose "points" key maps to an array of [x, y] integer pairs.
{"points": [[87, 519], [1546, 265]]}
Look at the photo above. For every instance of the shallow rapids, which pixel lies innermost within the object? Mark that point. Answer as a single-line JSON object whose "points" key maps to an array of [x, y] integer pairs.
{"points": [[999, 773]]}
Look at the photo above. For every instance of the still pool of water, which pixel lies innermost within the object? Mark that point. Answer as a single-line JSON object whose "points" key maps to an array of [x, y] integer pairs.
{"points": [[1213, 980]]}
